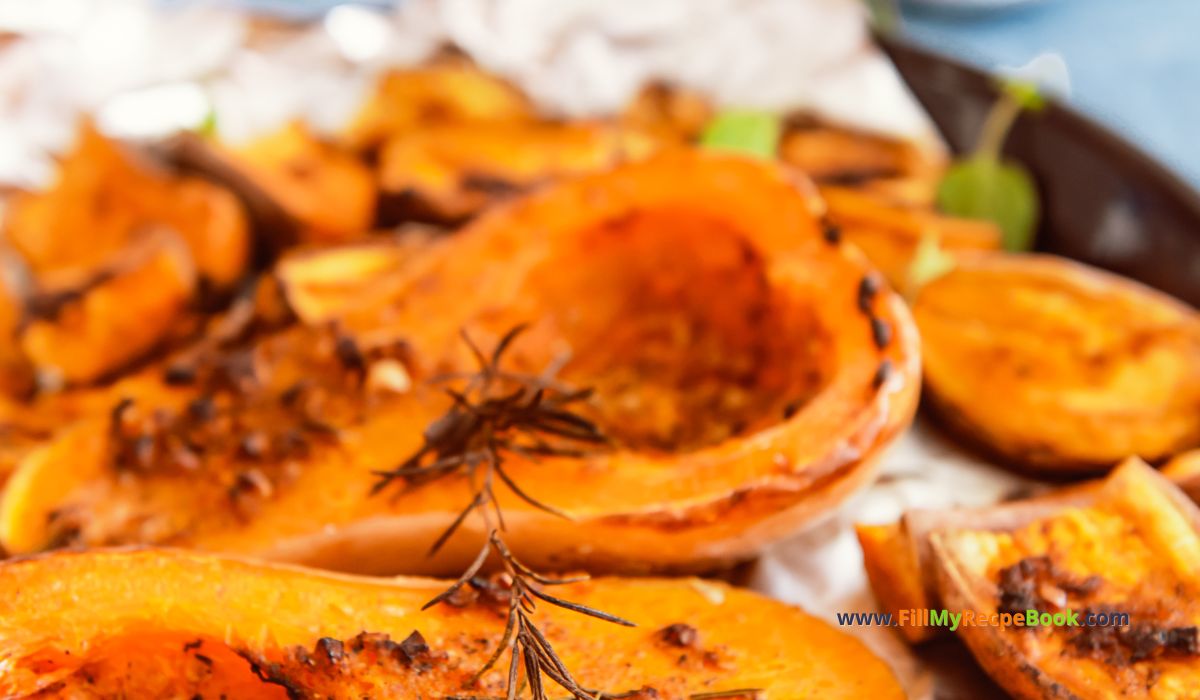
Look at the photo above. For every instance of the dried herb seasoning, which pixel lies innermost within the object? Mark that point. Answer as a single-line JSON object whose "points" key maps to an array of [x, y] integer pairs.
{"points": [[496, 413]]}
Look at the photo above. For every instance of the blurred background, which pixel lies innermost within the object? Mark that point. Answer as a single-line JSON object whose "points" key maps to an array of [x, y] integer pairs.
{"points": [[1133, 65]]}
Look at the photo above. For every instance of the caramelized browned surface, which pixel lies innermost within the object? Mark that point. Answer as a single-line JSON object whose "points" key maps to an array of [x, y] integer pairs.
{"points": [[1132, 548], [1060, 367], [446, 92], [116, 197], [452, 172], [162, 623], [890, 233], [749, 380], [328, 192]]}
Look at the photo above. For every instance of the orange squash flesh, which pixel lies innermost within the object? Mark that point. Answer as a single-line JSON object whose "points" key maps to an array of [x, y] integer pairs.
{"points": [[328, 192], [444, 93], [452, 172], [1058, 367], [168, 623], [739, 380], [1131, 548], [115, 198], [119, 319], [671, 112], [890, 233]]}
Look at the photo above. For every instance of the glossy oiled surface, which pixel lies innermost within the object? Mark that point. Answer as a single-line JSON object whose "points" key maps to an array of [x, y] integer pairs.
{"points": [[1058, 366], [767, 312], [73, 616], [1132, 549]]}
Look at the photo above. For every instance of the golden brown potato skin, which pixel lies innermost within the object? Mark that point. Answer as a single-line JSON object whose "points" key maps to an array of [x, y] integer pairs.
{"points": [[762, 407], [1058, 367], [163, 623], [1132, 547]]}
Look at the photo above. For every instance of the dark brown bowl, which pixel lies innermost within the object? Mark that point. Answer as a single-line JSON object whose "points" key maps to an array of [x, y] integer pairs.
{"points": [[1103, 201]]}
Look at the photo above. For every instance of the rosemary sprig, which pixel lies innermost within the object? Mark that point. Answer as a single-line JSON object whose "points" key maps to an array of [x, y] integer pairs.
{"points": [[522, 639], [494, 414], [497, 413]]}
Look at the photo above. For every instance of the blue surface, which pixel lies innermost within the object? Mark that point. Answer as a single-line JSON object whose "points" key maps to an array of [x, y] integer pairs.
{"points": [[1134, 64]]}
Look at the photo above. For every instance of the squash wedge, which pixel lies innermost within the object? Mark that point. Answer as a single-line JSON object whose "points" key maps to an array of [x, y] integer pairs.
{"points": [[450, 173], [165, 623], [673, 113], [445, 92], [1130, 550], [890, 233], [127, 312], [325, 190], [1058, 367], [798, 367], [899, 560], [115, 197]]}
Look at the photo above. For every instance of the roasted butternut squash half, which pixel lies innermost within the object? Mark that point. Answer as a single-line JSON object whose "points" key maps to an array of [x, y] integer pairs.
{"points": [[744, 386], [890, 234], [164, 623], [115, 197], [1058, 367], [450, 173], [328, 192], [1130, 550], [445, 92]]}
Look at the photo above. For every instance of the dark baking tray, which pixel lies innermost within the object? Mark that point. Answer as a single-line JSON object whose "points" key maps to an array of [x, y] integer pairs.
{"points": [[1103, 201]]}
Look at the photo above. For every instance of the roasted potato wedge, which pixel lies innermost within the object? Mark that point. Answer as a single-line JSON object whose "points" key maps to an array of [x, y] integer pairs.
{"points": [[1132, 548], [451, 92], [111, 197], [164, 623], [451, 173], [1058, 367], [781, 380]]}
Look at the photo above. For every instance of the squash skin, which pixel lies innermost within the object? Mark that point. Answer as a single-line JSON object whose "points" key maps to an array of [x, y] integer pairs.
{"points": [[1151, 580], [221, 605], [1080, 368], [633, 510]]}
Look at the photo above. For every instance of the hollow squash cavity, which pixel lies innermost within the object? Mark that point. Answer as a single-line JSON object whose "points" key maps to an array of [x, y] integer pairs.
{"points": [[685, 339]]}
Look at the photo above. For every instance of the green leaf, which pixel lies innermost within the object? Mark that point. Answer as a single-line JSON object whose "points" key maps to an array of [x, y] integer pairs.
{"points": [[929, 263], [750, 132], [1025, 93], [885, 15], [208, 126], [1002, 192]]}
